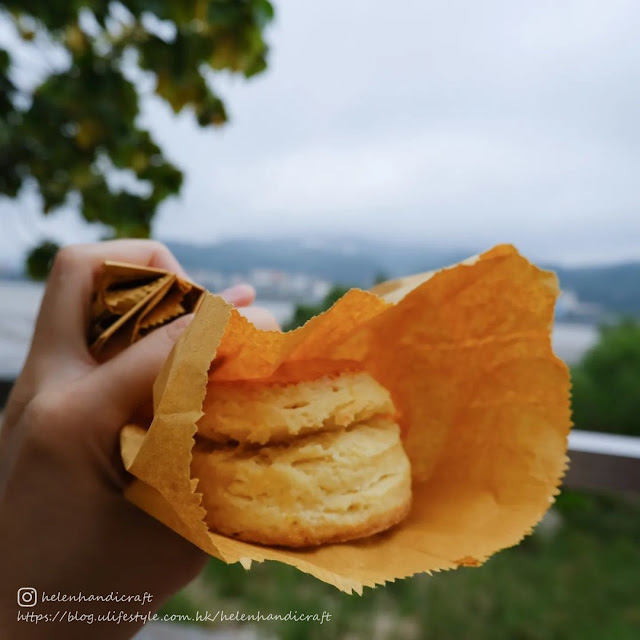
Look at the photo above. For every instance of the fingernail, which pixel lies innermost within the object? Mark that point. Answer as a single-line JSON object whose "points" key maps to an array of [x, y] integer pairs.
{"points": [[238, 293]]}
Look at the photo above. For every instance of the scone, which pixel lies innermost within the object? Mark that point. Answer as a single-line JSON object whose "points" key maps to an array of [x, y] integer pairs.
{"points": [[260, 413], [301, 464]]}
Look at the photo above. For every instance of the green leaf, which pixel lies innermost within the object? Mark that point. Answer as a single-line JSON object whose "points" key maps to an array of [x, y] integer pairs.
{"points": [[605, 392], [40, 260], [86, 113]]}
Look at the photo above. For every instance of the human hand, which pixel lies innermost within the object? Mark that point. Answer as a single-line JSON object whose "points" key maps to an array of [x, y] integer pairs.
{"points": [[64, 524]]}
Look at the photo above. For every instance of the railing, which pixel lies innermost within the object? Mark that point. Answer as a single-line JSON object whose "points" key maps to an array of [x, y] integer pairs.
{"points": [[598, 461], [603, 462]]}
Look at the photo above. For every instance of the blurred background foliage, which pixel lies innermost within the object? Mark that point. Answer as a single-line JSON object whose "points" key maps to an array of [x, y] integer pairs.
{"points": [[304, 312], [575, 578], [606, 383], [80, 123]]}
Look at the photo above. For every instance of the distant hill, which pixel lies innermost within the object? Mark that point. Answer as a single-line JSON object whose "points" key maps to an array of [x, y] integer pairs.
{"points": [[343, 261], [616, 287], [357, 262]]}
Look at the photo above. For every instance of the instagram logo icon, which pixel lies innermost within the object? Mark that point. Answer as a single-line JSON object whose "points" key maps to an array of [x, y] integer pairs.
{"points": [[27, 597]]}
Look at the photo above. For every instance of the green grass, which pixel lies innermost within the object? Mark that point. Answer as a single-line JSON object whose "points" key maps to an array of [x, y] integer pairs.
{"points": [[581, 582]]}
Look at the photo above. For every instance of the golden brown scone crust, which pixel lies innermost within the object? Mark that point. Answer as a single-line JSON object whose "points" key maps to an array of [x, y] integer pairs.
{"points": [[259, 412], [328, 486]]}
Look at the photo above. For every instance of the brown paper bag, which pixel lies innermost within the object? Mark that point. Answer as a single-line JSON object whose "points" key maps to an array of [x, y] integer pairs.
{"points": [[483, 404], [130, 300]]}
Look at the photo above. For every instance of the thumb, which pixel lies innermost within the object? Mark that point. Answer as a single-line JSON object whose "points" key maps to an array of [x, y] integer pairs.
{"points": [[127, 380]]}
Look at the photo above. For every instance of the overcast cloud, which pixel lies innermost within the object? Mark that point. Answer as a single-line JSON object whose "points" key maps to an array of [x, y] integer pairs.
{"points": [[453, 122]]}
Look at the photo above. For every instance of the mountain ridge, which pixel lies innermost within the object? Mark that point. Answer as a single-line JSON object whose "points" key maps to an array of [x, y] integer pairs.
{"points": [[357, 262]]}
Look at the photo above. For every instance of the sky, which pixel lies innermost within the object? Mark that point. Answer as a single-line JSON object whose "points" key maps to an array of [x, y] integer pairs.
{"points": [[449, 123]]}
